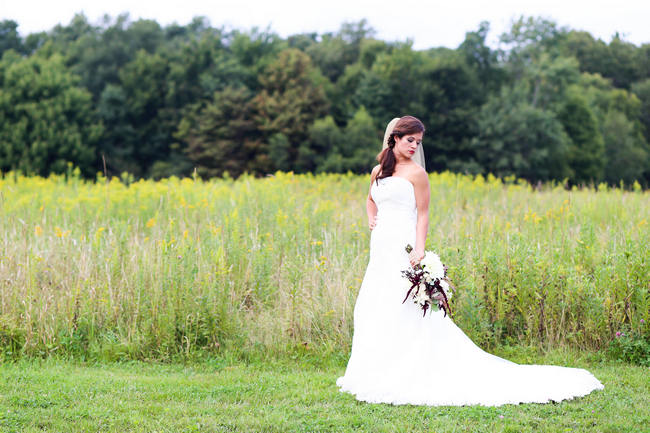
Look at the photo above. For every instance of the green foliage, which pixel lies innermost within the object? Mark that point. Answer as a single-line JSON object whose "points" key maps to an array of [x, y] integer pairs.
{"points": [[628, 155], [325, 139], [480, 57], [586, 156], [390, 86], [642, 91], [121, 270], [530, 39], [292, 97], [620, 117], [516, 138], [335, 51], [148, 82], [98, 55], [631, 345], [9, 37], [451, 103], [46, 119], [221, 135], [351, 149], [144, 83]]}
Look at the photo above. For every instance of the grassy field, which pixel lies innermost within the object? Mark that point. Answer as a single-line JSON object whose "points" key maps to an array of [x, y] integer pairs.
{"points": [[297, 396], [179, 268], [226, 305]]}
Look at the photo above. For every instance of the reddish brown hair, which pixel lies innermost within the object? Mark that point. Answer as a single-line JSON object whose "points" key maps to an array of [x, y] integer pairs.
{"points": [[405, 126]]}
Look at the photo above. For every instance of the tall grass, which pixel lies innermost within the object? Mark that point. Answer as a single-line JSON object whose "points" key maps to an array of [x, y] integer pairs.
{"points": [[153, 270]]}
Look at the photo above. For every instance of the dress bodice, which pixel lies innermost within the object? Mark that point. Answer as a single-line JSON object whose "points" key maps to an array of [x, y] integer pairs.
{"points": [[395, 198], [396, 220]]}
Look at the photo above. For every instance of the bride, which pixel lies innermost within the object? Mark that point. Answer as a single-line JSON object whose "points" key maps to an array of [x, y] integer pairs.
{"points": [[398, 356]]}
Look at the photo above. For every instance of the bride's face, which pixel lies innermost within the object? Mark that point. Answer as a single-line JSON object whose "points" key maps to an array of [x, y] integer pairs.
{"points": [[406, 146]]}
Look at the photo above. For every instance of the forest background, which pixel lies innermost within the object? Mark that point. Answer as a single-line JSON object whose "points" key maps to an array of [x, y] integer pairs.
{"points": [[121, 96]]}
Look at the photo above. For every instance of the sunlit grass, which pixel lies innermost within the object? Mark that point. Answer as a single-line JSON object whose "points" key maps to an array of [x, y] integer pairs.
{"points": [[219, 395]]}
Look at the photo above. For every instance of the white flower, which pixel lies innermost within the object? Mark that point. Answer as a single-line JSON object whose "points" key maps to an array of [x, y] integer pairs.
{"points": [[421, 298], [432, 265]]}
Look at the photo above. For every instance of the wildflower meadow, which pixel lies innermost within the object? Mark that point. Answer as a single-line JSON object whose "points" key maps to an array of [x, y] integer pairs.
{"points": [[180, 268]]}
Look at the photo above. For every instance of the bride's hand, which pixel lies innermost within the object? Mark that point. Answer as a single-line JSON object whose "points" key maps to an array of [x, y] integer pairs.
{"points": [[415, 256], [372, 222]]}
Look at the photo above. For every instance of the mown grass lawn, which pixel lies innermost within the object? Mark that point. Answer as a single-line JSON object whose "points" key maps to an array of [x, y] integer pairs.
{"points": [[284, 396]]}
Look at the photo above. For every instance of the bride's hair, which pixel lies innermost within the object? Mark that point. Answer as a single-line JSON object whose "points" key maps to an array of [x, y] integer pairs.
{"points": [[405, 125]]}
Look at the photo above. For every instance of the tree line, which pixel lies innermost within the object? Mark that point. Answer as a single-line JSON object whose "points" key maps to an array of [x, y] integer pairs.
{"points": [[550, 103]]}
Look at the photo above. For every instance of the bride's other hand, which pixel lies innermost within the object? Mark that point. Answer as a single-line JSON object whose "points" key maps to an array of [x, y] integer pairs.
{"points": [[372, 222], [415, 257]]}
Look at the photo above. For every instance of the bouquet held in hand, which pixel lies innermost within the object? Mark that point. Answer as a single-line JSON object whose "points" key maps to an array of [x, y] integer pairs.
{"points": [[429, 286]]}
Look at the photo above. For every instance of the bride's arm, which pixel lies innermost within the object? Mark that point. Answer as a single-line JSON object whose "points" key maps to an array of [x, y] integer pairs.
{"points": [[371, 207], [422, 197]]}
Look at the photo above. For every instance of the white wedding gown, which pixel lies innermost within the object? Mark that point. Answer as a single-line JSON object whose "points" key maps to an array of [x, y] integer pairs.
{"points": [[400, 357]]}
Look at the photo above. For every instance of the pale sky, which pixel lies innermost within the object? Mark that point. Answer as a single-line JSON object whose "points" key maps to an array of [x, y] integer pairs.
{"points": [[428, 24]]}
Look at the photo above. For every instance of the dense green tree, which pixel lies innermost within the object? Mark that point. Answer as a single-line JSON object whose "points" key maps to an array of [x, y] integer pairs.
{"points": [[117, 146], [292, 97], [628, 156], [642, 91], [222, 136], [98, 54], [516, 138], [9, 37], [608, 104], [586, 156], [335, 51], [548, 103], [592, 54], [254, 51], [620, 61], [624, 63], [302, 41], [361, 142], [483, 59], [46, 120], [323, 147], [144, 84], [392, 86], [279, 155], [352, 149], [528, 39], [451, 96]]}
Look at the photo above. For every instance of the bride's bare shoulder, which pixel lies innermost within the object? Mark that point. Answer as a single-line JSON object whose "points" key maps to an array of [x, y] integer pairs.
{"points": [[418, 175], [375, 172]]}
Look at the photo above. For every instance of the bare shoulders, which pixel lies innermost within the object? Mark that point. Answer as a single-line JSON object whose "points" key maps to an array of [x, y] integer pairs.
{"points": [[419, 175], [414, 174], [375, 172]]}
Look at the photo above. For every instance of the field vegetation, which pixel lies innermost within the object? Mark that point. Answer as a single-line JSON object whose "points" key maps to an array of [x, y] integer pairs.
{"points": [[185, 268]]}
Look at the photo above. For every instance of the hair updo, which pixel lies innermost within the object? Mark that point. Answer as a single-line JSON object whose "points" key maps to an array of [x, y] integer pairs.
{"points": [[405, 126]]}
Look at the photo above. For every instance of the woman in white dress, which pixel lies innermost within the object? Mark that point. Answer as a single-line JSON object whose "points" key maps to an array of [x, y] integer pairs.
{"points": [[400, 357]]}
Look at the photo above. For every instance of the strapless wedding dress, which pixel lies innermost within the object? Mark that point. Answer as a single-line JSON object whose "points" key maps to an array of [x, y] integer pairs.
{"points": [[400, 357]]}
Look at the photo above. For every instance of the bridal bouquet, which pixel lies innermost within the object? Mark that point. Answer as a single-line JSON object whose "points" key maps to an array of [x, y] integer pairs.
{"points": [[429, 285]]}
